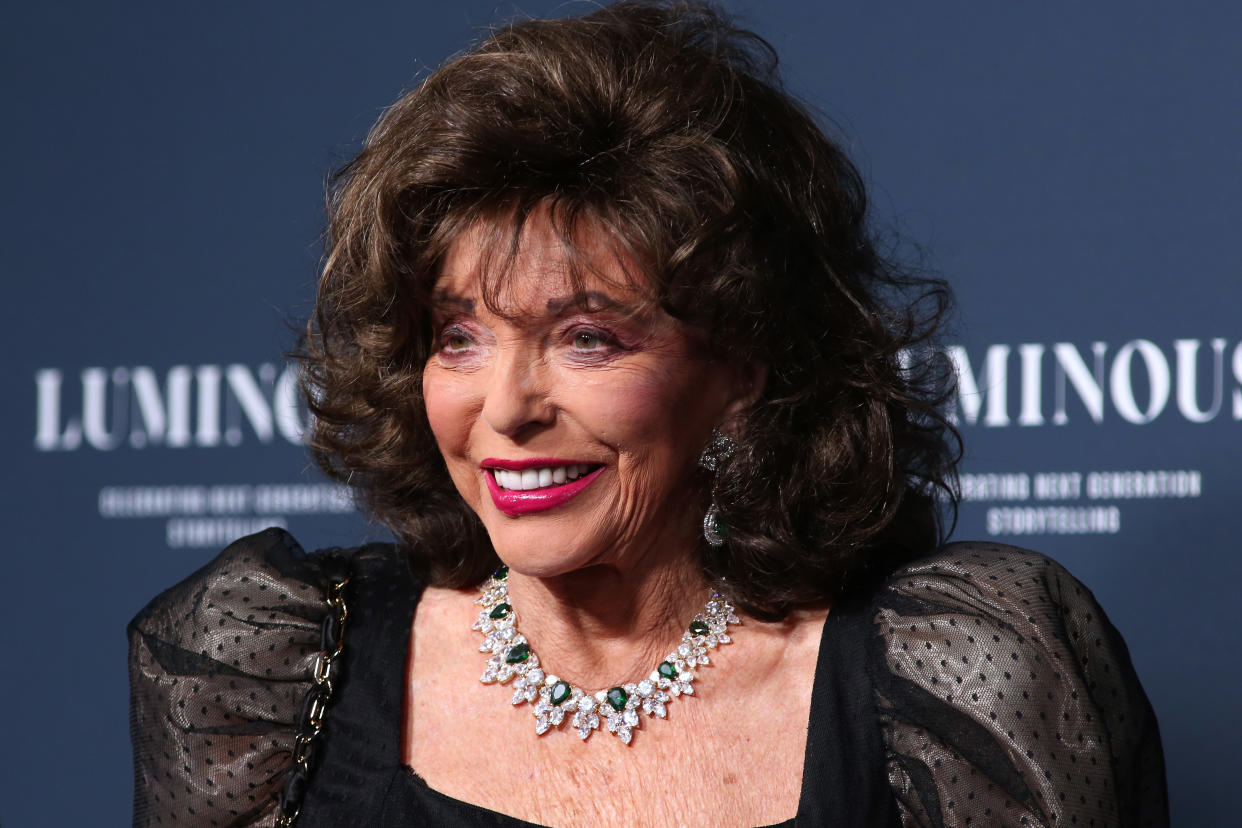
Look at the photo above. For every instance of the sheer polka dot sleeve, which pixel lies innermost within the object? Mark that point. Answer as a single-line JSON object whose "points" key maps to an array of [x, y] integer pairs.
{"points": [[219, 666], [1007, 698]]}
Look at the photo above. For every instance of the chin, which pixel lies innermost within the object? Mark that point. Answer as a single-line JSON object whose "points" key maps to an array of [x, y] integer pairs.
{"points": [[542, 549]]}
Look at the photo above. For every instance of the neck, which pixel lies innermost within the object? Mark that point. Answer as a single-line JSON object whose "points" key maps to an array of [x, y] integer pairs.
{"points": [[610, 623]]}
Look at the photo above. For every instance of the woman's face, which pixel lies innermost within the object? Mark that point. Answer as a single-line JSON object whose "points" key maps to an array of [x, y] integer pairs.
{"points": [[572, 424]]}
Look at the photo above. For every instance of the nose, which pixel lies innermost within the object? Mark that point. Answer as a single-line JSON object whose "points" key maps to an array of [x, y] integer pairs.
{"points": [[517, 402]]}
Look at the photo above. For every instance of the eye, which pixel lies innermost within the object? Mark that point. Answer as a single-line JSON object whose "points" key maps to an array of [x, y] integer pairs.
{"points": [[589, 340], [454, 340], [593, 339]]}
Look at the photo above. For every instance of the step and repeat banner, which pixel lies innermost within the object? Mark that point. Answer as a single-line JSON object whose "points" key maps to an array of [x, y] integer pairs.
{"points": [[1073, 172]]}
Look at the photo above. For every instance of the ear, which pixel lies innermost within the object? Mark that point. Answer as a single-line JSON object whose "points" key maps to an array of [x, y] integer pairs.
{"points": [[747, 384]]}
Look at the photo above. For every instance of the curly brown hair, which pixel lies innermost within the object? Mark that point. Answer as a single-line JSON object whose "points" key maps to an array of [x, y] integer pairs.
{"points": [[668, 125]]}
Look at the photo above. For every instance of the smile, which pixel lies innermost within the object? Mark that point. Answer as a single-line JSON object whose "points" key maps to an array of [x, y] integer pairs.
{"points": [[521, 487], [542, 478]]}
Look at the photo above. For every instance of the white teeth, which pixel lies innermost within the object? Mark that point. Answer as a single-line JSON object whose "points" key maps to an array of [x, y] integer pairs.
{"points": [[522, 481]]}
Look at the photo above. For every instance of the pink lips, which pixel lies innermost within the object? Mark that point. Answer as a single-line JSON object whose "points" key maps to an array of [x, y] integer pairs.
{"points": [[515, 503]]}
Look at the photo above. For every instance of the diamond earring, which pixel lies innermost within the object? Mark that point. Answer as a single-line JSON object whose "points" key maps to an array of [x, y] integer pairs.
{"points": [[719, 448], [715, 530]]}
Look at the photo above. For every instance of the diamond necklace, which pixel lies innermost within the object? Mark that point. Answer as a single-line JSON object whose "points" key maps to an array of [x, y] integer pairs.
{"points": [[554, 699]]}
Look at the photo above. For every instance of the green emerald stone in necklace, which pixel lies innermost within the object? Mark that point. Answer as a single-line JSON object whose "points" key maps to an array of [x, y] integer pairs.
{"points": [[502, 573], [617, 697], [518, 653], [500, 611], [666, 670], [560, 692], [698, 627]]}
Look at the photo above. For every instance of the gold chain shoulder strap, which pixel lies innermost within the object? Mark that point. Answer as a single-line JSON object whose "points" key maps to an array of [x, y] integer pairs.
{"points": [[314, 707]]}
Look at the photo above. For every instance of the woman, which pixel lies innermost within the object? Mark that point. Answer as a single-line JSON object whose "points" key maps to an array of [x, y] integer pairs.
{"points": [[602, 330]]}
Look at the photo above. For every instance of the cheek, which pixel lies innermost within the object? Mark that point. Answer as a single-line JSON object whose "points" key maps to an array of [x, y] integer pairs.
{"points": [[448, 405], [665, 409], [647, 409]]}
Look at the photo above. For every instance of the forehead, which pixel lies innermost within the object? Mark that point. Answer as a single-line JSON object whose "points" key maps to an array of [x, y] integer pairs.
{"points": [[521, 269]]}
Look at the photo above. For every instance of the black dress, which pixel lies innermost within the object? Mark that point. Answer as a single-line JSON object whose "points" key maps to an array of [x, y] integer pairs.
{"points": [[982, 685]]}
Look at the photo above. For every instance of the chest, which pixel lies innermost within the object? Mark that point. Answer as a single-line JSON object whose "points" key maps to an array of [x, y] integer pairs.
{"points": [[730, 755], [699, 767]]}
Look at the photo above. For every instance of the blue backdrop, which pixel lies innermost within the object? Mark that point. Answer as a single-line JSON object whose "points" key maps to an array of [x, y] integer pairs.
{"points": [[1072, 169]]}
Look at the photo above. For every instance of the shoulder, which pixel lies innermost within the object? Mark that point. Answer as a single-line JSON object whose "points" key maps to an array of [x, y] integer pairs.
{"points": [[266, 576], [221, 666], [1002, 685], [268, 569], [1022, 616], [975, 562], [992, 581]]}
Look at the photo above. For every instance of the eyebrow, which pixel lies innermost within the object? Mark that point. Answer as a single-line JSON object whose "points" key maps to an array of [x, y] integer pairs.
{"points": [[588, 300], [443, 298]]}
